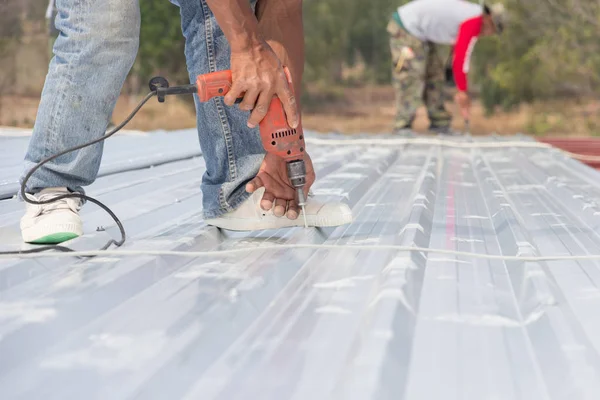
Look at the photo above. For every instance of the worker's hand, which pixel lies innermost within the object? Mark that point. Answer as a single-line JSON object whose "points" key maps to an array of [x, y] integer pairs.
{"points": [[464, 104], [257, 76], [279, 194]]}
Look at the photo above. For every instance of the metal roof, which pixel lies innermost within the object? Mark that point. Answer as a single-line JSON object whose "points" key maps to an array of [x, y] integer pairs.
{"points": [[363, 320]]}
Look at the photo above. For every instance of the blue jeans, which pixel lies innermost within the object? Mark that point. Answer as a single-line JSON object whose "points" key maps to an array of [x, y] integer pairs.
{"points": [[93, 55]]}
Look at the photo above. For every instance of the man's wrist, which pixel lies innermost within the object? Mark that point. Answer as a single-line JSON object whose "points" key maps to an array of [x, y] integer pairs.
{"points": [[245, 41], [238, 22]]}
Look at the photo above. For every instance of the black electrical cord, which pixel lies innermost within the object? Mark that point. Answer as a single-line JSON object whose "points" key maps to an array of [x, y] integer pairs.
{"points": [[81, 196]]}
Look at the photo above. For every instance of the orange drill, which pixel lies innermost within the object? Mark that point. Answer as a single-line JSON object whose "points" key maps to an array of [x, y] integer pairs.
{"points": [[276, 135]]}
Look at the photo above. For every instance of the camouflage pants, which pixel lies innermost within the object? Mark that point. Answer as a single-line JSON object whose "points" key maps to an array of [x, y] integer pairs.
{"points": [[417, 77]]}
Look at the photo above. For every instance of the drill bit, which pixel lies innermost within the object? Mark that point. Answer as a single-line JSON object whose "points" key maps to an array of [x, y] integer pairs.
{"points": [[302, 203], [304, 213], [297, 173]]}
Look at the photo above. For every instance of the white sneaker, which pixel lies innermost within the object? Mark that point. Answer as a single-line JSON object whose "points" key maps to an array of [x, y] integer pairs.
{"points": [[250, 217], [54, 222]]}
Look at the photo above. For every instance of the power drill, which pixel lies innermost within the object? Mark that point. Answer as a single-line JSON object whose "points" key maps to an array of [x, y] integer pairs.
{"points": [[277, 136]]}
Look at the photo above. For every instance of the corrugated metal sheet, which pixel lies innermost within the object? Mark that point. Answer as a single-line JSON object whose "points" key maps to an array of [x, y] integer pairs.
{"points": [[321, 323], [127, 151]]}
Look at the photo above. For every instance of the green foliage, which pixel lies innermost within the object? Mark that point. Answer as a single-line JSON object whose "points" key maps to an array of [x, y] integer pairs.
{"points": [[343, 32], [11, 25], [161, 42], [369, 38], [549, 48], [327, 38], [543, 123]]}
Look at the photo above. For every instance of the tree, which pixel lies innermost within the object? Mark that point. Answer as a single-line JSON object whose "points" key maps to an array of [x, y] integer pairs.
{"points": [[11, 30], [327, 38], [161, 42], [550, 48], [369, 37]]}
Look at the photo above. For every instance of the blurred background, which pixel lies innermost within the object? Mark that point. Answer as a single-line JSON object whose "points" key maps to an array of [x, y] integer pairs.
{"points": [[541, 77]]}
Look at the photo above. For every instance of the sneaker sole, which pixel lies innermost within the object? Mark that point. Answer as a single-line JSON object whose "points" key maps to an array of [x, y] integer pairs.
{"points": [[50, 233], [55, 238]]}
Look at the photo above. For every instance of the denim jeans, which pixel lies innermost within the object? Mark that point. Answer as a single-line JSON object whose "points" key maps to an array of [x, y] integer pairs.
{"points": [[93, 54]]}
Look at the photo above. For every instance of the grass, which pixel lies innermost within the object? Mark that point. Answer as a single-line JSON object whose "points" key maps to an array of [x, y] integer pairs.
{"points": [[353, 110], [372, 110], [327, 107]]}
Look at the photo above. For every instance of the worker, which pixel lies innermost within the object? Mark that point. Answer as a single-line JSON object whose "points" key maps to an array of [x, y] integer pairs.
{"points": [[243, 188], [416, 29]]}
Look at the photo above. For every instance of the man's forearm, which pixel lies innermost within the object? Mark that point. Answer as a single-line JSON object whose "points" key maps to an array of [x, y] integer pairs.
{"points": [[237, 21], [282, 7], [280, 24]]}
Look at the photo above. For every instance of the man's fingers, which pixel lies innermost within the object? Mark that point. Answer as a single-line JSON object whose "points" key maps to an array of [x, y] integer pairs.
{"points": [[249, 100], [254, 185], [234, 93], [260, 111], [280, 207], [289, 104], [267, 201], [275, 187], [292, 212]]}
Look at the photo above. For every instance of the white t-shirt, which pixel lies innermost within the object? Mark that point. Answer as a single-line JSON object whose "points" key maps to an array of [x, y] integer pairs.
{"points": [[437, 21]]}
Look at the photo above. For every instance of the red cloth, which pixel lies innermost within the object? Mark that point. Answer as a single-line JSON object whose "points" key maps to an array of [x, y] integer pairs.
{"points": [[468, 34]]}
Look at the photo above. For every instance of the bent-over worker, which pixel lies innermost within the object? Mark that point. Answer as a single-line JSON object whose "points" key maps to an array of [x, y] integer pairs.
{"points": [[93, 54], [415, 30]]}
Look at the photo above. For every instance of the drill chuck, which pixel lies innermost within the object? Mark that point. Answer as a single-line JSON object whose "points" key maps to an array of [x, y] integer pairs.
{"points": [[297, 173]]}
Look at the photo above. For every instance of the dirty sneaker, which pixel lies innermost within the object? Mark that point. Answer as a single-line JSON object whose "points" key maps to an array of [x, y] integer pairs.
{"points": [[51, 223], [249, 216]]}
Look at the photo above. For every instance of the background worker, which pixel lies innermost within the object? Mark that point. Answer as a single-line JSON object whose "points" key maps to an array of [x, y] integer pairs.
{"points": [[93, 54], [418, 73]]}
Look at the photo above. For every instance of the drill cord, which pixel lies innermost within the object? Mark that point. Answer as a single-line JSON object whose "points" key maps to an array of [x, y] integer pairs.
{"points": [[157, 90], [81, 196]]}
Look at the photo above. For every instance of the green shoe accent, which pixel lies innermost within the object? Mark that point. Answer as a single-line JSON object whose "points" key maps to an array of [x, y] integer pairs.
{"points": [[55, 238]]}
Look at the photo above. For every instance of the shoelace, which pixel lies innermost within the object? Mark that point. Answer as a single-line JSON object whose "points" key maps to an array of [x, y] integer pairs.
{"points": [[64, 204]]}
